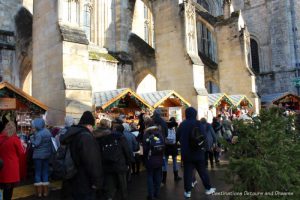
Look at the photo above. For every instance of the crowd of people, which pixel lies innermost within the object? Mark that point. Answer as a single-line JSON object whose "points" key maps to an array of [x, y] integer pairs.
{"points": [[99, 159]]}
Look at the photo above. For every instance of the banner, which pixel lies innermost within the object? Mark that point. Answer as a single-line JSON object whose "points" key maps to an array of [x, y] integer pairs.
{"points": [[8, 104]]}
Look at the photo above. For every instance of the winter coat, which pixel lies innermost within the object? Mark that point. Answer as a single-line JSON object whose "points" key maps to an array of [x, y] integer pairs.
{"points": [[184, 130], [211, 137], [86, 155], [131, 140], [125, 158], [11, 151], [152, 161], [171, 149], [160, 123], [41, 141], [218, 130]]}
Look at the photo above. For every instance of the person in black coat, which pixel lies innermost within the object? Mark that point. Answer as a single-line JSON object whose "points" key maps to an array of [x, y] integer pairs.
{"points": [[162, 125], [86, 156], [192, 159], [115, 160]]}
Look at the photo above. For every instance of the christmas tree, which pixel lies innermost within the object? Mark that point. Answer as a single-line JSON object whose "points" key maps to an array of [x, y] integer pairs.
{"points": [[265, 161]]}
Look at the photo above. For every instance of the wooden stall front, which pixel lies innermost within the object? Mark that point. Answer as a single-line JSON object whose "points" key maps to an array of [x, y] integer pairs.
{"points": [[119, 101], [241, 103], [20, 106], [221, 102], [285, 100], [170, 103]]}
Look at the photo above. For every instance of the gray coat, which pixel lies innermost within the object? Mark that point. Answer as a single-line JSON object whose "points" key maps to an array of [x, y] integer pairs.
{"points": [[41, 141]]}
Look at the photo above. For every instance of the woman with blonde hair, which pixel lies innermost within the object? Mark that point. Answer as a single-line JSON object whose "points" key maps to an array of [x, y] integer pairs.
{"points": [[11, 150]]}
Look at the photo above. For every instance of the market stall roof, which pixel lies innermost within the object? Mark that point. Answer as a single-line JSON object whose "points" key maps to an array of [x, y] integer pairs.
{"points": [[104, 99], [8, 90], [214, 99], [238, 98], [272, 98], [157, 98]]}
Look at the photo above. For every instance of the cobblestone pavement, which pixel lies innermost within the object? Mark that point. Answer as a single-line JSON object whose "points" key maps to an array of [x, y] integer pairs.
{"points": [[172, 190]]}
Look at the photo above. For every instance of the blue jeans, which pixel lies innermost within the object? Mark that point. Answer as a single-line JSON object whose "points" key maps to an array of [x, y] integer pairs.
{"points": [[153, 181], [188, 174], [165, 161], [41, 171]]}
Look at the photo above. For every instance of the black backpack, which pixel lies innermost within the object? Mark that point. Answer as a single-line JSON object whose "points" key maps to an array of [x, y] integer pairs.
{"points": [[197, 139], [63, 165], [157, 145], [111, 149]]}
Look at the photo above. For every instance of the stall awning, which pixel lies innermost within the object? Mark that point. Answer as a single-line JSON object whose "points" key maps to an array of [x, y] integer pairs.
{"points": [[157, 98], [276, 97], [237, 99], [111, 98], [216, 98], [9, 91]]}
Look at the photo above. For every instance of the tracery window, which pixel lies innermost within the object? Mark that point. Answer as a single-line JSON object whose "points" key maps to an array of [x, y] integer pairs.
{"points": [[71, 11], [254, 55], [148, 26], [207, 44], [87, 19], [204, 4]]}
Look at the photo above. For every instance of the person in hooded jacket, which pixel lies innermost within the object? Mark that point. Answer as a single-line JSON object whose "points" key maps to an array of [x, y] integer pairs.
{"points": [[42, 150], [192, 158], [11, 151], [162, 125], [86, 156], [212, 142], [153, 163]]}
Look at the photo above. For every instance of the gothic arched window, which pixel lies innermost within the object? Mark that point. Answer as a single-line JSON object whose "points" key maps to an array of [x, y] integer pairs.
{"points": [[87, 20], [71, 11], [204, 4], [254, 55], [148, 26], [207, 44]]}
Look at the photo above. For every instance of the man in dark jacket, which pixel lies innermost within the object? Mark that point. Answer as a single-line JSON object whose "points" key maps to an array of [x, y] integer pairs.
{"points": [[162, 125], [153, 159], [116, 158], [86, 156], [192, 158]]}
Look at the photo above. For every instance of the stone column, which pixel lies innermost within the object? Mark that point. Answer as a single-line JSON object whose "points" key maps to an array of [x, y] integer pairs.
{"points": [[179, 67], [47, 79]]}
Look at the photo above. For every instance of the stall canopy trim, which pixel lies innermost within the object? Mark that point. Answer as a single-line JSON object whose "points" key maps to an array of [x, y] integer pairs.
{"points": [[272, 98], [216, 98], [110, 99], [157, 98], [8, 90], [237, 99]]}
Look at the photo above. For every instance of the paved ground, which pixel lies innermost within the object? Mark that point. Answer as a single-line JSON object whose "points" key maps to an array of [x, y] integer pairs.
{"points": [[138, 188]]}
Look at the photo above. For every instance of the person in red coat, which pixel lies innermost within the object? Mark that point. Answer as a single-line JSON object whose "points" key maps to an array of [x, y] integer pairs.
{"points": [[11, 150]]}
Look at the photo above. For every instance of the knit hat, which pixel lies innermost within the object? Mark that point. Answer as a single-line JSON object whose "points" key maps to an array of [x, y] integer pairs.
{"points": [[87, 118]]}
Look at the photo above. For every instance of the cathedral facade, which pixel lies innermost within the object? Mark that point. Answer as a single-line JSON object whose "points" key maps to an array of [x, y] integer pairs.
{"points": [[62, 51]]}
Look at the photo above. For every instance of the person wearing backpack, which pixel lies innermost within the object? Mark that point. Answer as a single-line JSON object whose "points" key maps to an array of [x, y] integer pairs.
{"points": [[163, 127], [153, 146], [86, 156], [171, 148], [211, 141], [193, 151], [116, 158]]}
